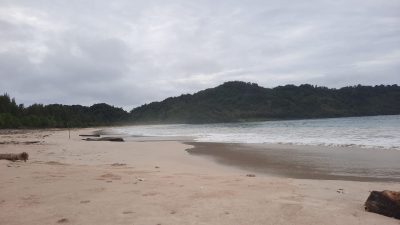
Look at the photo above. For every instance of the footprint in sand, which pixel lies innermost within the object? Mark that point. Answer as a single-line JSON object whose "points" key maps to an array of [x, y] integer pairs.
{"points": [[109, 176], [290, 209], [150, 194], [54, 163], [118, 164], [30, 200], [63, 220]]}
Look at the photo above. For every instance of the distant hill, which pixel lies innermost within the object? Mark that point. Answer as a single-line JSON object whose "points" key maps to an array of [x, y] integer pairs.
{"points": [[240, 101]]}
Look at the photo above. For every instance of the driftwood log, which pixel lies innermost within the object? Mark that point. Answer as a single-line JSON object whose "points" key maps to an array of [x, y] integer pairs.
{"points": [[89, 135], [19, 142], [384, 202], [117, 139], [14, 157]]}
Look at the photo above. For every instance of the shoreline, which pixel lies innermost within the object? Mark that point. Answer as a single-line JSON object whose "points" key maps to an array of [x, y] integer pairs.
{"points": [[304, 161], [152, 182], [316, 162]]}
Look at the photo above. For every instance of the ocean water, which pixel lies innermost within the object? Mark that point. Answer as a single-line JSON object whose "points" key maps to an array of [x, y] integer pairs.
{"points": [[366, 132]]}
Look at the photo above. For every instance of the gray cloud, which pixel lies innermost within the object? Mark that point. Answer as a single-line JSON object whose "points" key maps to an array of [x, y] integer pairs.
{"points": [[128, 53]]}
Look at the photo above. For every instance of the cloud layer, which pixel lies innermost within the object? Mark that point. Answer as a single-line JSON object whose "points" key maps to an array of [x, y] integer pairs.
{"points": [[128, 53]]}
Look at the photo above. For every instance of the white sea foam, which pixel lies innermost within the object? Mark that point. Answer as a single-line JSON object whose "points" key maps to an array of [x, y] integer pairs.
{"points": [[368, 132]]}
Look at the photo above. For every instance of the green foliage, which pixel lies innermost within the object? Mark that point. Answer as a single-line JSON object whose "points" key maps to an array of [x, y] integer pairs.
{"points": [[229, 102], [240, 101], [55, 115]]}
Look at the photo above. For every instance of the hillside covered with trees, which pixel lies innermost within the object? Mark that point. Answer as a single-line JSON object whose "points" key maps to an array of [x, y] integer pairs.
{"points": [[230, 102], [241, 101]]}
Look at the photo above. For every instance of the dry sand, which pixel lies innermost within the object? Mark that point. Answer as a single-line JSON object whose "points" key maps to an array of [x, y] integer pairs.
{"points": [[78, 182]]}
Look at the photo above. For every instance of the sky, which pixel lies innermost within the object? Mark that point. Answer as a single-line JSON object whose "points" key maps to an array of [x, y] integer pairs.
{"points": [[127, 53]]}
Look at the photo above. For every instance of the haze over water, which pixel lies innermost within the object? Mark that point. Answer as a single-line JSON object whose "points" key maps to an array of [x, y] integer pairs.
{"points": [[367, 132]]}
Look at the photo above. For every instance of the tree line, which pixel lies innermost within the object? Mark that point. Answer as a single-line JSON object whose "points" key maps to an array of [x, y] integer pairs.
{"points": [[58, 116], [230, 102]]}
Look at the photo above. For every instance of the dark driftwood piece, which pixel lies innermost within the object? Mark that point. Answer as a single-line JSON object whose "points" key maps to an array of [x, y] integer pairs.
{"points": [[384, 202], [89, 135], [17, 142], [13, 157], [30, 142], [118, 139]]}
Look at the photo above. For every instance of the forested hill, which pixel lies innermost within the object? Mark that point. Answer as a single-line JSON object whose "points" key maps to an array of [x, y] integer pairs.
{"points": [[229, 102], [55, 115], [240, 101]]}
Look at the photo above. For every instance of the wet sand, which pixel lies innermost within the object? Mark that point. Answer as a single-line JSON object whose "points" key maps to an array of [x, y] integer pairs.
{"points": [[306, 162]]}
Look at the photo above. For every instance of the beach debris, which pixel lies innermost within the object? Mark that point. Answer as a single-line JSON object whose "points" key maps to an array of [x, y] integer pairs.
{"points": [[139, 179], [84, 201], [340, 191], [30, 142], [89, 135], [384, 202], [116, 139], [19, 142], [157, 167], [14, 157], [250, 175]]}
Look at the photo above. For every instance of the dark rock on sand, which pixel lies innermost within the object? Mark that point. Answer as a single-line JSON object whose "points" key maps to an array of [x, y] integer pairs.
{"points": [[385, 203]]}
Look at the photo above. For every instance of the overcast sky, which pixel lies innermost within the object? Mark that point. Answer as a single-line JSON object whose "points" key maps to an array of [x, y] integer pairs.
{"points": [[127, 53]]}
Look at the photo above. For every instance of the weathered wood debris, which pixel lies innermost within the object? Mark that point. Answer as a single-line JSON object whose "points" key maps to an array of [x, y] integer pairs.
{"points": [[384, 202], [19, 142], [89, 135], [14, 157], [117, 139]]}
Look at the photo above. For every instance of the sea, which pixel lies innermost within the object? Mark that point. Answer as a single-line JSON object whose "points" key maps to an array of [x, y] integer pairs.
{"points": [[379, 132]]}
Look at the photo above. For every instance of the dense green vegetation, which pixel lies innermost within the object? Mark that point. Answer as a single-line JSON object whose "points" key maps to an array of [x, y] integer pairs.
{"points": [[229, 102], [55, 115], [240, 101]]}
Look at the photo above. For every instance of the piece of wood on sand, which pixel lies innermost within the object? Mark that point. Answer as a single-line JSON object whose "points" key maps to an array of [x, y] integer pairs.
{"points": [[89, 135], [384, 202], [14, 157], [117, 139]]}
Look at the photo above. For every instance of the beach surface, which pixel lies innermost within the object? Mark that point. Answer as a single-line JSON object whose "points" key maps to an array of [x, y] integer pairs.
{"points": [[71, 181]]}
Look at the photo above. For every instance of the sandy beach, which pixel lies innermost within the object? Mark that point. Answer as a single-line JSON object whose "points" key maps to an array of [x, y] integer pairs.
{"points": [[71, 181]]}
